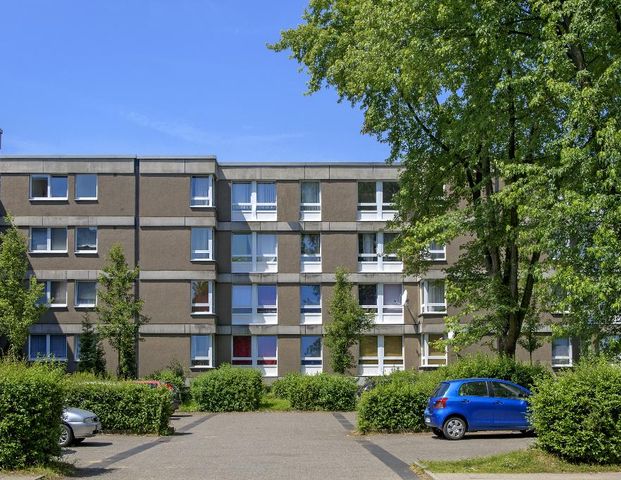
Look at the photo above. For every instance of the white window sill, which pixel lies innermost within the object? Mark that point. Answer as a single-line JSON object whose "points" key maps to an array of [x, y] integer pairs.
{"points": [[201, 314], [443, 312], [49, 199], [201, 206], [86, 199], [58, 305], [86, 306], [85, 252], [201, 260], [48, 359], [48, 252]]}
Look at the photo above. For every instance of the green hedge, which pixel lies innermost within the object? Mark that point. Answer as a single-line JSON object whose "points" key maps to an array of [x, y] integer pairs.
{"points": [[228, 389], [31, 403], [122, 406], [171, 376], [317, 392], [577, 415]]}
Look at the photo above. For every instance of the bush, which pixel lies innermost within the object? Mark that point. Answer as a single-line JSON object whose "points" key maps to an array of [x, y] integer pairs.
{"points": [[578, 414], [393, 407], [122, 406], [176, 377], [31, 403], [331, 393], [228, 389]]}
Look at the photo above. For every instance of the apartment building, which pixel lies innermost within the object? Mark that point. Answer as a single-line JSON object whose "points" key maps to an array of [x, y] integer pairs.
{"points": [[237, 261]]}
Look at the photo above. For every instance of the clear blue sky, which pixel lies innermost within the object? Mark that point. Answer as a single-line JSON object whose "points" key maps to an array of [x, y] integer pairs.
{"points": [[164, 77]]}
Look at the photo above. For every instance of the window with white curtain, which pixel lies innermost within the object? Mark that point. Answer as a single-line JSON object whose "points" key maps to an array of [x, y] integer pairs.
{"points": [[561, 352], [85, 294], [201, 188], [254, 252], [253, 201], [55, 293], [383, 300], [374, 254], [433, 296], [86, 240], [201, 244]]}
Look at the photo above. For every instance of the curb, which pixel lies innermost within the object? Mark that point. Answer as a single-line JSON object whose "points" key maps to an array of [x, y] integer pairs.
{"points": [[427, 472]]}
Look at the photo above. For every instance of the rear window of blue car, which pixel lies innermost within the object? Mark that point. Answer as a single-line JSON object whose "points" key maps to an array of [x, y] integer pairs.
{"points": [[441, 390]]}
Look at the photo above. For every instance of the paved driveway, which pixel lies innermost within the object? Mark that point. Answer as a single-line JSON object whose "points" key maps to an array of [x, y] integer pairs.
{"points": [[265, 445]]}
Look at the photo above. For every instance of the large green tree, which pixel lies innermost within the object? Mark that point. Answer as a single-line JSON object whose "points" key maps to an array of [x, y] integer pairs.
{"points": [[492, 107], [119, 310], [20, 296]]}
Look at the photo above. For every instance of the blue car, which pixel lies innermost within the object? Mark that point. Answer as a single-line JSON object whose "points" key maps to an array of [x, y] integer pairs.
{"points": [[473, 404]]}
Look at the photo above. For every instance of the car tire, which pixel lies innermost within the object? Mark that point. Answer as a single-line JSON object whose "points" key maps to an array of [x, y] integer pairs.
{"points": [[66, 435], [438, 432], [454, 428]]}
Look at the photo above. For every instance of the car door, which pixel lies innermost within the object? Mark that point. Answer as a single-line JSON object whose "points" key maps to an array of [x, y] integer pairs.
{"points": [[476, 404], [510, 406]]}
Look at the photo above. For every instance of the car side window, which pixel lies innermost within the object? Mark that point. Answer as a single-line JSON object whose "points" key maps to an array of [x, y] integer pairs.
{"points": [[473, 389], [502, 390]]}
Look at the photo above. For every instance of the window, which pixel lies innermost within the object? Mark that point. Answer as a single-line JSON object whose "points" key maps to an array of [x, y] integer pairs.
{"points": [[434, 300], [310, 252], [561, 352], [55, 294], [376, 200], [254, 304], [201, 351], [86, 187], [253, 201], [77, 347], [374, 254], [202, 297], [48, 240], [258, 351], [433, 356], [85, 294], [473, 389], [202, 244], [310, 304], [201, 191], [384, 301], [436, 252], [254, 252], [310, 201], [310, 354], [86, 240], [504, 390], [380, 354], [48, 187], [43, 347]]}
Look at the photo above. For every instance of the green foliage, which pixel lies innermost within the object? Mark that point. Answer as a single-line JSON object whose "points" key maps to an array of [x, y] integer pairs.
{"points": [[31, 402], [19, 308], [121, 406], [531, 340], [119, 310], [92, 356], [327, 392], [175, 375], [228, 389], [348, 322], [577, 415]]}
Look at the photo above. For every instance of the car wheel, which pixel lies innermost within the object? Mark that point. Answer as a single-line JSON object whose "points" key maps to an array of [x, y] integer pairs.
{"points": [[454, 428], [438, 432], [66, 435]]}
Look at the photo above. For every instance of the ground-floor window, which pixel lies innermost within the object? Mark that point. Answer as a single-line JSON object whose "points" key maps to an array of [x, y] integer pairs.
{"points": [[201, 351], [380, 354], [258, 351], [44, 347], [432, 355], [561, 352], [311, 354]]}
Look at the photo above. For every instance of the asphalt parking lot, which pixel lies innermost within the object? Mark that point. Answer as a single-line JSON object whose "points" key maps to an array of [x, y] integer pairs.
{"points": [[283, 445]]}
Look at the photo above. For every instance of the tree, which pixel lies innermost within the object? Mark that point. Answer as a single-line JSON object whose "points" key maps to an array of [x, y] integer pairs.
{"points": [[20, 305], [119, 310], [92, 356], [349, 322], [498, 112], [530, 340]]}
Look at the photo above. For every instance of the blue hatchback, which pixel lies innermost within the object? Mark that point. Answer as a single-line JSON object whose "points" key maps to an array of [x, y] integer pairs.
{"points": [[472, 404]]}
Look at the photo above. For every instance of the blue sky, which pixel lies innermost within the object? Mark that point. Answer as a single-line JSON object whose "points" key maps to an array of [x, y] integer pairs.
{"points": [[163, 77]]}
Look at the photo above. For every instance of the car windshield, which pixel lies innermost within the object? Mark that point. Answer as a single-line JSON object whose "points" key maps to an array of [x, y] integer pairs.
{"points": [[441, 390]]}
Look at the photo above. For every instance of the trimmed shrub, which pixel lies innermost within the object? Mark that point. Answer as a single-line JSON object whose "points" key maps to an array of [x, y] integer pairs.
{"points": [[228, 389], [577, 415], [31, 403], [122, 406], [172, 376], [327, 392]]}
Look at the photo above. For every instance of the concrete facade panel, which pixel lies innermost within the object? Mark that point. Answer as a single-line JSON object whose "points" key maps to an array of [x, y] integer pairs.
{"points": [[289, 304], [339, 250], [156, 352], [339, 201], [288, 253], [288, 355], [288, 201], [168, 248]]}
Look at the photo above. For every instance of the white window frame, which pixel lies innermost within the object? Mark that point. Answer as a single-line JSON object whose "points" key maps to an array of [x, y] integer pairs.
{"points": [[49, 240], [201, 358], [556, 358], [209, 196], [77, 347], [426, 307], [49, 197], [310, 212], [256, 264], [254, 210], [425, 357], [311, 369], [86, 252], [381, 368], [308, 317], [75, 295], [78, 198], [381, 315], [209, 250], [47, 347], [310, 263], [266, 370], [382, 210], [379, 261], [256, 316], [209, 305], [436, 253], [48, 293]]}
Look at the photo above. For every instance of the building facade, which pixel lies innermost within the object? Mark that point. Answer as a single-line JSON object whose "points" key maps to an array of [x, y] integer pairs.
{"points": [[237, 261]]}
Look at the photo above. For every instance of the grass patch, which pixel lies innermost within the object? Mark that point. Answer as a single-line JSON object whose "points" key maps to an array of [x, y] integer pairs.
{"points": [[188, 407], [271, 403], [522, 461], [52, 471]]}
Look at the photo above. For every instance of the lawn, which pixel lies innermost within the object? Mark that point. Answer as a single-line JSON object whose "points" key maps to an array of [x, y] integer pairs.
{"points": [[52, 471], [521, 461], [269, 403]]}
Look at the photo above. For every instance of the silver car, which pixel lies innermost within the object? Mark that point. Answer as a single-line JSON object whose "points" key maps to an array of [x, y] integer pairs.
{"points": [[77, 424]]}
